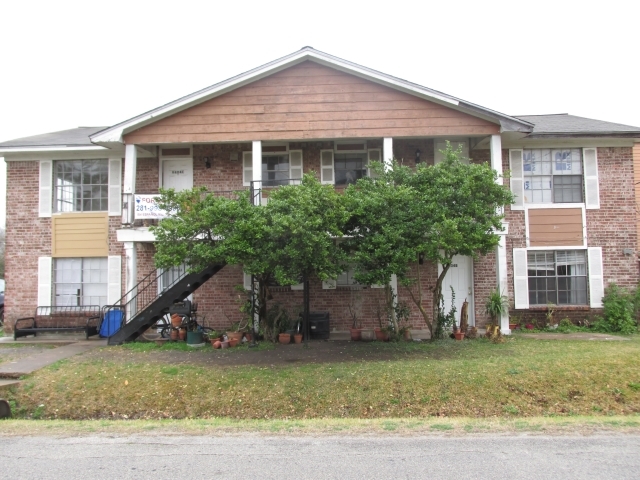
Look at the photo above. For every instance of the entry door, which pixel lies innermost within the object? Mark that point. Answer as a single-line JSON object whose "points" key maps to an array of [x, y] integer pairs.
{"points": [[177, 174], [460, 277]]}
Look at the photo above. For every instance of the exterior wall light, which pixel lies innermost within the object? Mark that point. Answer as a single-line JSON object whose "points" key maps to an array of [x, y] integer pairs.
{"points": [[207, 162], [418, 152]]}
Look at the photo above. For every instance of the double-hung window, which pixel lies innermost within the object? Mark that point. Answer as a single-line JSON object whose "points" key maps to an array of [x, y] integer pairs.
{"points": [[350, 167], [553, 175], [80, 281], [558, 277], [275, 170], [81, 185]]}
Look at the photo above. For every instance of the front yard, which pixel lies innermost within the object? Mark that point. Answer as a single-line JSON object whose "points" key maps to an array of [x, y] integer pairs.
{"points": [[523, 377]]}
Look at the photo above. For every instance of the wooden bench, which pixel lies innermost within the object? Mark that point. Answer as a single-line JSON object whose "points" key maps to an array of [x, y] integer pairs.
{"points": [[60, 319]]}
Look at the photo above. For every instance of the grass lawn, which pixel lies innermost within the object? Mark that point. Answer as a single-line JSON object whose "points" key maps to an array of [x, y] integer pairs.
{"points": [[520, 378]]}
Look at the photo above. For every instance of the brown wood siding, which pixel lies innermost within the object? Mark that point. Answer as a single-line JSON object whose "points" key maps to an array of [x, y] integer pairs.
{"points": [[80, 235], [636, 182], [555, 227], [311, 101]]}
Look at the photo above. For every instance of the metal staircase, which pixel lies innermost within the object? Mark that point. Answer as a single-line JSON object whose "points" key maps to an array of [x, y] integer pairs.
{"points": [[143, 306]]}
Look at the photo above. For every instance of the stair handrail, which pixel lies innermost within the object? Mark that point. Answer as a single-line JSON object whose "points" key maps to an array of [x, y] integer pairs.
{"points": [[139, 297]]}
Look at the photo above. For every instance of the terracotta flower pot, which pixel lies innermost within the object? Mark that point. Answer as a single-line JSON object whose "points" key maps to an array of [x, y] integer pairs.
{"points": [[215, 343], [297, 338], [284, 338], [176, 320], [459, 335], [183, 333], [175, 335], [380, 335], [233, 342], [407, 335], [234, 335], [513, 326], [356, 334]]}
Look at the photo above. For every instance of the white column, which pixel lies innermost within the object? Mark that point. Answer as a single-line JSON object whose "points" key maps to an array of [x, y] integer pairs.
{"points": [[256, 155], [130, 161], [387, 158], [387, 152], [131, 260], [501, 249]]}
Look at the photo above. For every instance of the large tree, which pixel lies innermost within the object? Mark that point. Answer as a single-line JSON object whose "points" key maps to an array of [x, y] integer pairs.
{"points": [[290, 238], [431, 212]]}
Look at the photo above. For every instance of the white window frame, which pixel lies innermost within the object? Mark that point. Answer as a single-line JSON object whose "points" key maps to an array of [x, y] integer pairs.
{"points": [[525, 177], [54, 188], [82, 283]]}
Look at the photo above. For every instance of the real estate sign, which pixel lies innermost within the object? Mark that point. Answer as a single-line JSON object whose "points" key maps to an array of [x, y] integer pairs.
{"points": [[146, 206]]}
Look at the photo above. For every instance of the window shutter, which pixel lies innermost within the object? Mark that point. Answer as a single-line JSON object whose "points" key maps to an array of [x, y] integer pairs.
{"points": [[46, 194], [114, 277], [329, 284], [295, 165], [44, 280], [596, 277], [326, 167], [375, 155], [247, 168], [591, 187], [520, 278], [517, 178], [246, 280], [115, 187]]}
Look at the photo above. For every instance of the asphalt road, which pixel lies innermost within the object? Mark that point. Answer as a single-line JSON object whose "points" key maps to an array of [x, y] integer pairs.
{"points": [[322, 457]]}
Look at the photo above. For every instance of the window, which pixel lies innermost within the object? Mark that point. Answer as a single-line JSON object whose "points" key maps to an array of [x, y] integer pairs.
{"points": [[553, 176], [81, 185], [347, 279], [349, 167], [80, 281], [275, 170], [558, 277]]}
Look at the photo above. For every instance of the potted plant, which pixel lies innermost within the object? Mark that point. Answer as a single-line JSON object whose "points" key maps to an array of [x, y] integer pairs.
{"points": [[495, 306], [284, 325], [458, 334], [356, 330], [214, 337], [194, 336]]}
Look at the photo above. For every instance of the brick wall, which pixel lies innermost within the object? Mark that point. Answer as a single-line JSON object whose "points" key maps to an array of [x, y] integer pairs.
{"points": [[29, 237], [611, 227]]}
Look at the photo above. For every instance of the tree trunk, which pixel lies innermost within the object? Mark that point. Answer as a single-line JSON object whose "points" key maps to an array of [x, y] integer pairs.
{"points": [[437, 293], [390, 307]]}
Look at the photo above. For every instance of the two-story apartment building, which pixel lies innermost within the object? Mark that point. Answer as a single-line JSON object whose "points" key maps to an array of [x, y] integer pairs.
{"points": [[78, 205]]}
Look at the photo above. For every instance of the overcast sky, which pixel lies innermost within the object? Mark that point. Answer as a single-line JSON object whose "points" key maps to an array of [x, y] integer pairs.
{"points": [[69, 63]]}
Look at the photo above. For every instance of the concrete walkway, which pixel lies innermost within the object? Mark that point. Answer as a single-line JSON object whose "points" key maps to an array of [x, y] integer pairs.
{"points": [[27, 365]]}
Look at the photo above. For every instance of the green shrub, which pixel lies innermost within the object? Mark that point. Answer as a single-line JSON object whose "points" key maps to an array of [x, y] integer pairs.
{"points": [[619, 307]]}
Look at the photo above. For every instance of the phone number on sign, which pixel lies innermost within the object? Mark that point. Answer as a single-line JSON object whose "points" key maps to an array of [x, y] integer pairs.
{"points": [[146, 207]]}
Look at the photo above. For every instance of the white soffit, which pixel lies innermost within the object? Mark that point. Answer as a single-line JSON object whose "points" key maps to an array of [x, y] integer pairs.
{"points": [[115, 133]]}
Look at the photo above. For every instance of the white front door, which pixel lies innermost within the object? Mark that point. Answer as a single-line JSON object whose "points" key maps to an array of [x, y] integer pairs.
{"points": [[177, 174], [460, 277]]}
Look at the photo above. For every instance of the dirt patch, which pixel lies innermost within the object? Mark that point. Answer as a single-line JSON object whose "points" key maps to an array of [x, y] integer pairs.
{"points": [[318, 352]]}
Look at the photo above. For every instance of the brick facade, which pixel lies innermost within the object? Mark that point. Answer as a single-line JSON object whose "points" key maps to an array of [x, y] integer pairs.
{"points": [[28, 237]]}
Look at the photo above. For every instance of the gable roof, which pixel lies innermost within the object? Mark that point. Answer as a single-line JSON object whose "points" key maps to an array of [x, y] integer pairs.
{"points": [[116, 132], [563, 124], [73, 138]]}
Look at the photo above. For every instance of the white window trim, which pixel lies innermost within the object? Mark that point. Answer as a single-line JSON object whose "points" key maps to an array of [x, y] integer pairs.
{"points": [[552, 204], [581, 206], [588, 275]]}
